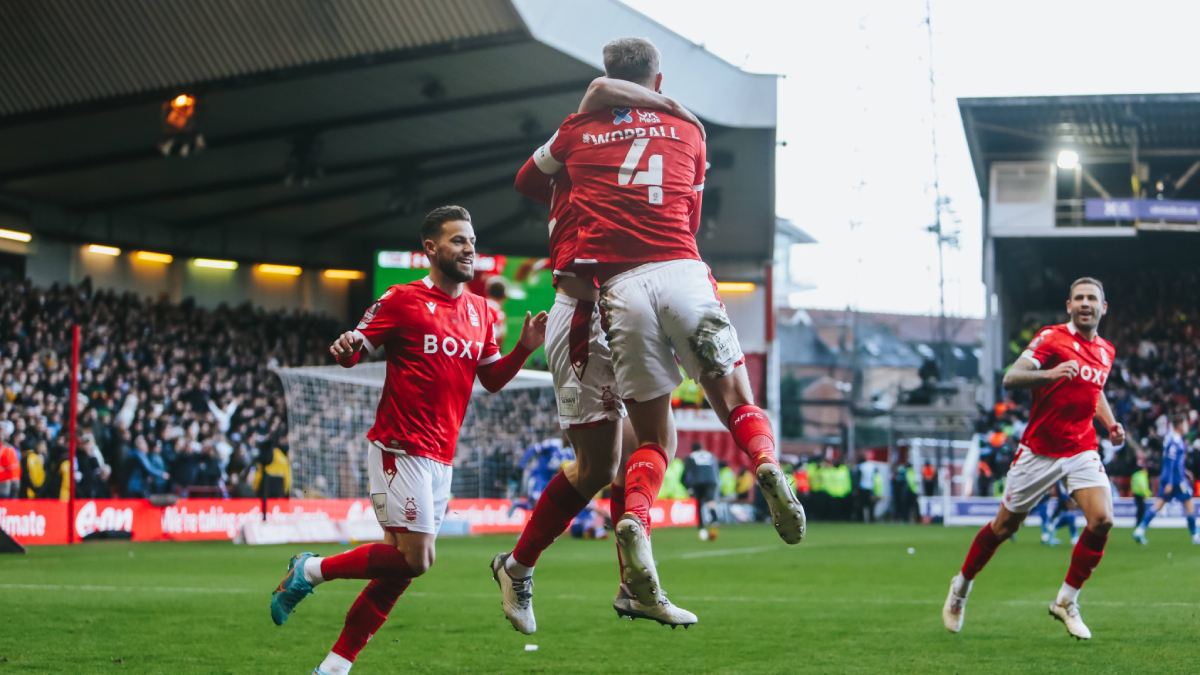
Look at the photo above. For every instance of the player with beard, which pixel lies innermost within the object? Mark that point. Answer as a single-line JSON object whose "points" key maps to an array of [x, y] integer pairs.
{"points": [[1066, 366], [438, 338]]}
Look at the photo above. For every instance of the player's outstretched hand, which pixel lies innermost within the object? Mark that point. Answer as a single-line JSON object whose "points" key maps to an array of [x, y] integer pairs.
{"points": [[346, 346], [1116, 434], [1064, 370], [533, 333]]}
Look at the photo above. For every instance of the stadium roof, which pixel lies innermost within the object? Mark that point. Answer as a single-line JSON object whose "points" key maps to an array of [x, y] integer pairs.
{"points": [[387, 108], [1105, 127]]}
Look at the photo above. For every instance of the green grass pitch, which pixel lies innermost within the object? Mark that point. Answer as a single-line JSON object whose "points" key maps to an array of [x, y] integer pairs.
{"points": [[849, 599]]}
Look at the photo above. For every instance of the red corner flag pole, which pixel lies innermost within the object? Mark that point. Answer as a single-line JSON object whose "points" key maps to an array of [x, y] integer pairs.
{"points": [[70, 477]]}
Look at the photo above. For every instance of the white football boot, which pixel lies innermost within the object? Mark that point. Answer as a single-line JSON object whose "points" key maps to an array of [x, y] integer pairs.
{"points": [[516, 596], [786, 512], [1068, 614], [638, 572], [662, 611], [955, 608]]}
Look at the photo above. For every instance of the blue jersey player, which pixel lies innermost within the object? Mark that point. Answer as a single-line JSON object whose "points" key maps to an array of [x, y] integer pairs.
{"points": [[540, 463], [1173, 484]]}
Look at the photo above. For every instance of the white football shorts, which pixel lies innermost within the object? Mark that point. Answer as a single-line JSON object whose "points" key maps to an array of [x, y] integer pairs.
{"points": [[1031, 476], [409, 493], [658, 312], [578, 355]]}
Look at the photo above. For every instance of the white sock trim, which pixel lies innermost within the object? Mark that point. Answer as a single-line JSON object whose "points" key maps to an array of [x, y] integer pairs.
{"points": [[335, 665], [515, 569], [312, 571], [1067, 594]]}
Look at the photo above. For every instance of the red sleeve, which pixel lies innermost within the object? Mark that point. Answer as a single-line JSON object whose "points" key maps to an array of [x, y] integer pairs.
{"points": [[496, 374], [552, 156], [534, 184], [1041, 349], [382, 320], [349, 362], [698, 185]]}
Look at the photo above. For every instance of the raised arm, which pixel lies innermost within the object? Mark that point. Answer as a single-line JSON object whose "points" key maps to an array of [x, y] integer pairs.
{"points": [[1025, 374], [493, 376], [605, 92], [534, 184]]}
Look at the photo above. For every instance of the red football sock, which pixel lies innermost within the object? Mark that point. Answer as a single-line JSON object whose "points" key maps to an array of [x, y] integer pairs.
{"points": [[369, 561], [982, 548], [559, 505], [367, 614], [616, 508], [643, 480], [1085, 557], [752, 432]]}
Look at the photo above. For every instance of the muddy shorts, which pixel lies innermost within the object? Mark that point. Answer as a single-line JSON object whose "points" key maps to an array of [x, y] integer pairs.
{"points": [[660, 316]]}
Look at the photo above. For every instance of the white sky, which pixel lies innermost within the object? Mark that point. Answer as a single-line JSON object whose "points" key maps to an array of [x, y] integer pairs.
{"points": [[854, 109]]}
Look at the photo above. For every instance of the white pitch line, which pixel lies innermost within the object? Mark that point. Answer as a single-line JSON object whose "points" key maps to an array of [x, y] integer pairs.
{"points": [[729, 551]]}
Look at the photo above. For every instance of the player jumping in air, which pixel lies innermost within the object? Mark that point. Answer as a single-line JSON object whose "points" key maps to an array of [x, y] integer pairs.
{"points": [[1066, 366], [1173, 484], [637, 177], [438, 338], [589, 408]]}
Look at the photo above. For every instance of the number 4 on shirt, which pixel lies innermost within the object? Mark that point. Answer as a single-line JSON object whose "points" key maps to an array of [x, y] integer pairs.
{"points": [[652, 176]]}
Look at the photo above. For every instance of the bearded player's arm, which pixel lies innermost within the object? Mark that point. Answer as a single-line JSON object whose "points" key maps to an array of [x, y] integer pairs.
{"points": [[605, 92], [1104, 413], [380, 320], [493, 375], [1027, 372]]}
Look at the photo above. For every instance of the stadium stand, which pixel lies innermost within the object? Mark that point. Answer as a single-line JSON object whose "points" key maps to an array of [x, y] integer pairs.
{"points": [[173, 398]]}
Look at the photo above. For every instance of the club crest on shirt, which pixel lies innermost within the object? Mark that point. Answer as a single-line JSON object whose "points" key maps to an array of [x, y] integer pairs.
{"points": [[622, 115], [648, 117], [432, 306], [1103, 357], [473, 315]]}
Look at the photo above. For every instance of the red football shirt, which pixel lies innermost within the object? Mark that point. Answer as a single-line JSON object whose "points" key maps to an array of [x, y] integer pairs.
{"points": [[434, 344], [636, 180], [1060, 422]]}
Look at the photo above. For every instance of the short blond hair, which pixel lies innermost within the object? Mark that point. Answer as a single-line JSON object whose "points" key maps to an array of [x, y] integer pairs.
{"points": [[1088, 280], [632, 59]]}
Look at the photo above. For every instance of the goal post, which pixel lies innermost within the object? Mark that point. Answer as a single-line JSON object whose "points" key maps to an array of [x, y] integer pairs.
{"points": [[330, 409]]}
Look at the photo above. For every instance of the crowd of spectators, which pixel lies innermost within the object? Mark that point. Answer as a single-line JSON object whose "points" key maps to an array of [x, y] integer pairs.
{"points": [[172, 397], [1154, 324]]}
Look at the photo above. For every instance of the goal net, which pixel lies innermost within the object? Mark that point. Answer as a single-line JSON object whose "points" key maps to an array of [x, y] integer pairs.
{"points": [[330, 409]]}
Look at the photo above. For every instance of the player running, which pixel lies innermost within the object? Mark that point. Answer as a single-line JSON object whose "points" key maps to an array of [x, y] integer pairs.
{"points": [[636, 234], [539, 465], [1173, 484], [1066, 366], [589, 409], [438, 337]]}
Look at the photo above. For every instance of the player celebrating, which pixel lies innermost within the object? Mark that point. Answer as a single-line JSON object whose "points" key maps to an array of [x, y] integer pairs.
{"points": [[636, 233], [1066, 366], [589, 409], [1173, 484], [438, 338]]}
